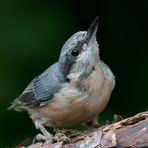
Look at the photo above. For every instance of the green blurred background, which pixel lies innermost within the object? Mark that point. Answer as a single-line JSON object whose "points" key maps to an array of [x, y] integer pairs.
{"points": [[32, 33]]}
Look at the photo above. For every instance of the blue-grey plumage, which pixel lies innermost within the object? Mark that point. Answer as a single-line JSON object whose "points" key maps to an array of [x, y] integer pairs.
{"points": [[73, 90], [40, 89]]}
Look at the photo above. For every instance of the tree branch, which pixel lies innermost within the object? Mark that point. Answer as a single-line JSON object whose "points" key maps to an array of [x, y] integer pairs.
{"points": [[130, 132]]}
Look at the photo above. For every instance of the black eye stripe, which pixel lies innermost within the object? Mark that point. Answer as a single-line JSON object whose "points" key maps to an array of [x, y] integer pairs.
{"points": [[70, 57], [78, 46]]}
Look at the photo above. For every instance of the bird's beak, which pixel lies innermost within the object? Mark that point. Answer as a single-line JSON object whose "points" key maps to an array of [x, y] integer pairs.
{"points": [[92, 30]]}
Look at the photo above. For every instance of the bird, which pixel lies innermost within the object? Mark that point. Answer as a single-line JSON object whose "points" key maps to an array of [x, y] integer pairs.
{"points": [[74, 90]]}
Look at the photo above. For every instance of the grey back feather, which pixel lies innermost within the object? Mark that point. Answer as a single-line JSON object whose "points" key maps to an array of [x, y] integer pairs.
{"points": [[41, 89]]}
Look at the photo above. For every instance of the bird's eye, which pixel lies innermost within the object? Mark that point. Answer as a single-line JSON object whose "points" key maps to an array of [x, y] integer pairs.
{"points": [[75, 52]]}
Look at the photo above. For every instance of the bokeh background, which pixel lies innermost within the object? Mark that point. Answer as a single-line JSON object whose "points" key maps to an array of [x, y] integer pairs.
{"points": [[32, 33]]}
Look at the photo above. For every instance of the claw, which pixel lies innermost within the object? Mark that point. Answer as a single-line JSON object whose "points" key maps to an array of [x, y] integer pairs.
{"points": [[40, 137], [61, 137]]}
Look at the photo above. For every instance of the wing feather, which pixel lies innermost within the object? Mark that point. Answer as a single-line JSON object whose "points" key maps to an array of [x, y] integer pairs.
{"points": [[41, 89]]}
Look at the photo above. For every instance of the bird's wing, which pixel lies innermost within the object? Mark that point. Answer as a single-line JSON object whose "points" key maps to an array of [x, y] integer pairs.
{"points": [[41, 89]]}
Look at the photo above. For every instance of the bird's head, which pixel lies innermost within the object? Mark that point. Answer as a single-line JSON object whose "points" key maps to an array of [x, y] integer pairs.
{"points": [[80, 53]]}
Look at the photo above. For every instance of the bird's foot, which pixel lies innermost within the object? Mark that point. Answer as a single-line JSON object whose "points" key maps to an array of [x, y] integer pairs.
{"points": [[61, 137], [41, 137]]}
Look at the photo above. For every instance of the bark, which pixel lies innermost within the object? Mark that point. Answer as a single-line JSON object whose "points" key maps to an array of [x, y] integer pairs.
{"points": [[131, 132]]}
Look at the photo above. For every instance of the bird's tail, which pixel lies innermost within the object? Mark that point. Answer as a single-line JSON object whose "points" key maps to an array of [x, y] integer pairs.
{"points": [[15, 106]]}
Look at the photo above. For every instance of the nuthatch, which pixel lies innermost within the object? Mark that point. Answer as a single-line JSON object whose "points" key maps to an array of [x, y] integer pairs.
{"points": [[73, 90]]}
